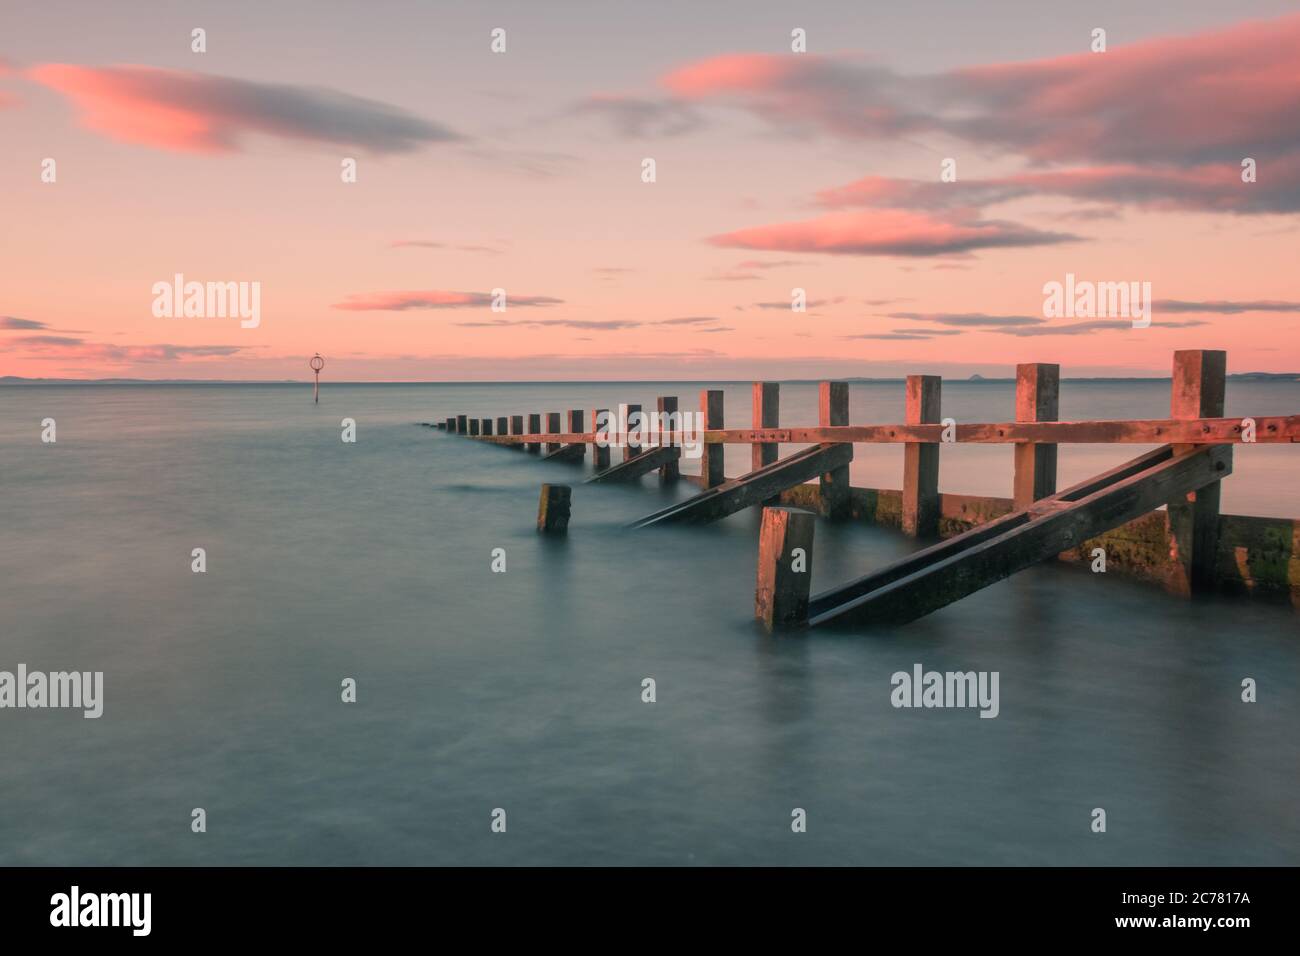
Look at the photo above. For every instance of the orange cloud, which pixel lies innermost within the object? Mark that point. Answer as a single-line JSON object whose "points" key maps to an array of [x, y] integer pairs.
{"points": [[434, 299], [196, 112]]}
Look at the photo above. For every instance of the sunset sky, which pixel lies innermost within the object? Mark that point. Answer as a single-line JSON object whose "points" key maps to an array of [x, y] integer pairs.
{"points": [[522, 170]]}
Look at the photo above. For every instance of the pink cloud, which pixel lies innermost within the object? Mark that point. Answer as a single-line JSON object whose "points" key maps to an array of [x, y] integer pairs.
{"points": [[887, 232], [434, 299], [196, 112]]}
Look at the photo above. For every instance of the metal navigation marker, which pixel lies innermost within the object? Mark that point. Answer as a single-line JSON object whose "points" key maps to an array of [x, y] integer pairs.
{"points": [[317, 363]]}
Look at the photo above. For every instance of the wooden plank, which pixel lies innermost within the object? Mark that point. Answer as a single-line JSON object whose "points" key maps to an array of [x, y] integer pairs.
{"points": [[921, 460], [1038, 391], [638, 465], [754, 488], [669, 423], [833, 410], [600, 438], [1198, 392], [952, 569], [785, 548], [1270, 429], [534, 428], [553, 509], [712, 465]]}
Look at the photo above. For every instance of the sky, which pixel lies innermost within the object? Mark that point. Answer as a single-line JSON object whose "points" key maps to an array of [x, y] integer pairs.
{"points": [[921, 170]]}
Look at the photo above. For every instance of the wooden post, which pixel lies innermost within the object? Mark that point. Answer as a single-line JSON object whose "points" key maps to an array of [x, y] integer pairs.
{"points": [[711, 465], [473, 426], [553, 509], [517, 428], [534, 428], [1038, 399], [921, 460], [600, 426], [632, 448], [670, 420], [462, 425], [503, 425], [487, 427], [767, 404], [451, 425], [785, 544], [1198, 392], [576, 426], [833, 409], [553, 427]]}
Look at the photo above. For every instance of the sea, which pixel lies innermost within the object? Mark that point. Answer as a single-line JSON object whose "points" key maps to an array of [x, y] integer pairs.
{"points": [[502, 717]]}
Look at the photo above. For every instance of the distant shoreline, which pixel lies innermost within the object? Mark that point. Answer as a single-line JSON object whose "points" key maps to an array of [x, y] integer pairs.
{"points": [[15, 380]]}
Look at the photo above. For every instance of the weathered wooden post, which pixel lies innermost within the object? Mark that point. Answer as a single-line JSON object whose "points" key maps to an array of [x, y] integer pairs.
{"points": [[534, 428], [712, 466], [553, 509], [576, 426], [462, 425], [600, 446], [833, 409], [552, 427], [635, 429], [670, 420], [767, 414], [785, 544], [474, 426], [503, 425], [1038, 399], [451, 425], [486, 428], [1198, 391], [517, 428], [921, 459]]}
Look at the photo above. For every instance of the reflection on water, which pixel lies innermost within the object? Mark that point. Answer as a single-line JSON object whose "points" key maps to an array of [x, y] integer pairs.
{"points": [[523, 690]]}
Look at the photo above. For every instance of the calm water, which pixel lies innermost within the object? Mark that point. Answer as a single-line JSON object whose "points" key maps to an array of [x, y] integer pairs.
{"points": [[522, 690]]}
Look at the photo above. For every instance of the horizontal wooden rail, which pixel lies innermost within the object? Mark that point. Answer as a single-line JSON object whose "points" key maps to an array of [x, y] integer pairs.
{"points": [[1273, 429]]}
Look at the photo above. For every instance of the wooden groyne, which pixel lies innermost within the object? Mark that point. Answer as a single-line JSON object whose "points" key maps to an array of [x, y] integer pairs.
{"points": [[1189, 547]]}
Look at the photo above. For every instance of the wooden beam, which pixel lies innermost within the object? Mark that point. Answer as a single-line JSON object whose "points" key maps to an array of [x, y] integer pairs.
{"points": [[785, 547], [754, 488], [534, 428], [669, 416], [553, 509], [600, 438], [629, 417], [712, 465], [632, 468], [833, 409], [921, 460], [938, 575], [767, 414], [1038, 399], [1199, 382], [1269, 430], [553, 427]]}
